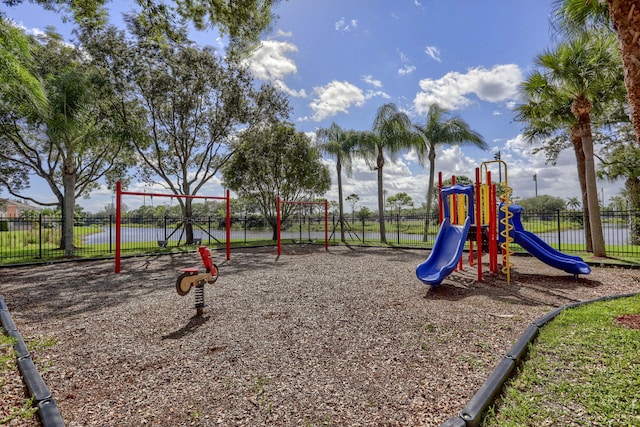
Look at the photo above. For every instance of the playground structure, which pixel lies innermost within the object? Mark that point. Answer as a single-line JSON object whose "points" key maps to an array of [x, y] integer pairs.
{"points": [[120, 193], [281, 202], [192, 278], [471, 213]]}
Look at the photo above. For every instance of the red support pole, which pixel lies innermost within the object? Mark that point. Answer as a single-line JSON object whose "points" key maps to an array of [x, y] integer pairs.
{"points": [[454, 204], [278, 224], [454, 214], [326, 225], [493, 218], [479, 222], [118, 221], [228, 225]]}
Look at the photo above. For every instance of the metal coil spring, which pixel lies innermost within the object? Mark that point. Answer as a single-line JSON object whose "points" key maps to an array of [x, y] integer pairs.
{"points": [[506, 233], [199, 296]]}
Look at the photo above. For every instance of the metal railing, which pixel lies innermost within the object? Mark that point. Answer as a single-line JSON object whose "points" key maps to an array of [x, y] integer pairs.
{"points": [[39, 238]]}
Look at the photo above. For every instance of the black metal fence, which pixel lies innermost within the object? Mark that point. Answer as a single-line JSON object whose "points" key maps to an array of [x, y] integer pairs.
{"points": [[39, 238]]}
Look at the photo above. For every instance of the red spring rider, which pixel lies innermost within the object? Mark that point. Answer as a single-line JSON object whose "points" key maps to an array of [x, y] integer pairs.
{"points": [[191, 277]]}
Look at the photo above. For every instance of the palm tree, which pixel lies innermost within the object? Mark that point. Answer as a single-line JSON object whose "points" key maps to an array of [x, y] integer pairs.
{"points": [[573, 202], [548, 115], [585, 69], [391, 132], [623, 17], [441, 129], [335, 142]]}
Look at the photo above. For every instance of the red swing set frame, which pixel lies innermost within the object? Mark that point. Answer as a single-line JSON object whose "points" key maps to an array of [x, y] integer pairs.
{"points": [[325, 202], [120, 193]]}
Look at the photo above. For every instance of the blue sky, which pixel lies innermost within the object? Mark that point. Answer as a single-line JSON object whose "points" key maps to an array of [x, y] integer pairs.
{"points": [[341, 60]]}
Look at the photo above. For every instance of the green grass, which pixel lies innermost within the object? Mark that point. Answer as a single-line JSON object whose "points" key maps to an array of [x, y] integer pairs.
{"points": [[543, 226], [582, 370], [8, 362]]}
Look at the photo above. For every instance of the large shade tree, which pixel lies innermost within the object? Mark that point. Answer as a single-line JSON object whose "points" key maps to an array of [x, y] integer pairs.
{"points": [[73, 140], [276, 161], [18, 82], [187, 104], [621, 16], [19, 87], [240, 21], [441, 129]]}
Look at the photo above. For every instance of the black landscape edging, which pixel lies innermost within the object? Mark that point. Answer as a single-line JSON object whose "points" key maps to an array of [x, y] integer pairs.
{"points": [[48, 410], [471, 414]]}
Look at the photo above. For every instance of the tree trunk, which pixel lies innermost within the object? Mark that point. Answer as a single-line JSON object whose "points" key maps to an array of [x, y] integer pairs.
{"points": [[380, 166], [581, 107], [188, 218], [430, 187], [340, 202], [625, 15], [576, 139], [68, 207], [632, 185]]}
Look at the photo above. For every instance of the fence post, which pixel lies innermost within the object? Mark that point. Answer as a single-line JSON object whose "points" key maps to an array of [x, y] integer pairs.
{"points": [[333, 222], [40, 236], [559, 231], [363, 220], [165, 227], [300, 220], [398, 225], [110, 233]]}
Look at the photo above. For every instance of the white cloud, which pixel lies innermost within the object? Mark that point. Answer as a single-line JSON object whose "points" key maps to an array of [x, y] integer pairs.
{"points": [[451, 91], [375, 83], [282, 33], [270, 63], [373, 93], [452, 160], [336, 97], [344, 26], [433, 52], [407, 67], [370, 80]]}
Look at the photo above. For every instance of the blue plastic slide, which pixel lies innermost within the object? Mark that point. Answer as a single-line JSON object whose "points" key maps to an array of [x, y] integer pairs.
{"points": [[545, 253], [541, 250], [445, 254]]}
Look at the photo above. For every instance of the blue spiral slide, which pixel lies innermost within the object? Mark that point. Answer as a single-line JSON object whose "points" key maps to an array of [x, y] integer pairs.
{"points": [[445, 254]]}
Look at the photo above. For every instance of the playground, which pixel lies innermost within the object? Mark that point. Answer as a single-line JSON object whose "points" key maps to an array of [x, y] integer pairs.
{"points": [[307, 338]]}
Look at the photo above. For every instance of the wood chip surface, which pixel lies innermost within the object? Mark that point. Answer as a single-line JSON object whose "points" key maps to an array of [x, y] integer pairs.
{"points": [[348, 337]]}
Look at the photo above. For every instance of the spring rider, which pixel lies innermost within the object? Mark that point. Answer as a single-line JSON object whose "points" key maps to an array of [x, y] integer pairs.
{"points": [[192, 278]]}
